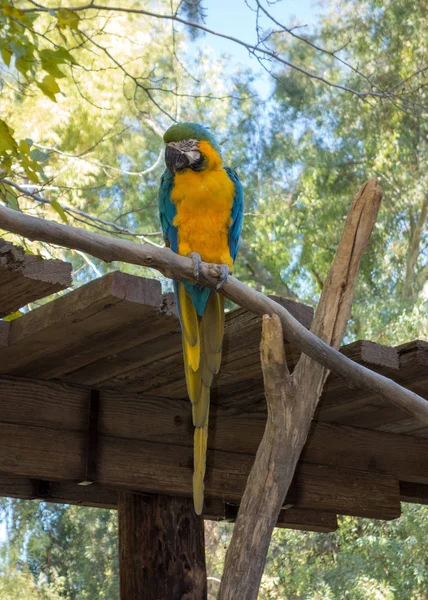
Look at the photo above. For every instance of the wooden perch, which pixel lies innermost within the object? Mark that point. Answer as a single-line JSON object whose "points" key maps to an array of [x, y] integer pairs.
{"points": [[270, 476], [291, 402], [25, 278], [179, 267]]}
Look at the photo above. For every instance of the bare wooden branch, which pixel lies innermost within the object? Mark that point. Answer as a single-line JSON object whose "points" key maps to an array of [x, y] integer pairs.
{"points": [[291, 402], [177, 267], [270, 476]]}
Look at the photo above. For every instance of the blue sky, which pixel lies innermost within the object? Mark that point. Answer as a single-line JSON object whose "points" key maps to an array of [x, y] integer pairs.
{"points": [[235, 18]]}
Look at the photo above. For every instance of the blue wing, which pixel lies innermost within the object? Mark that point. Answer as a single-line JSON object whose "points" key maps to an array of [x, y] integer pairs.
{"points": [[167, 210], [237, 213]]}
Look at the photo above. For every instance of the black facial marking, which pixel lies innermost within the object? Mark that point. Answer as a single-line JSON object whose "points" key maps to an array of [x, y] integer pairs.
{"points": [[175, 160], [199, 164]]}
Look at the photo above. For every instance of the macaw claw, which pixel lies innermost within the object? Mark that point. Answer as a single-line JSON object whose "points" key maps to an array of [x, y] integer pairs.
{"points": [[223, 275], [197, 263]]}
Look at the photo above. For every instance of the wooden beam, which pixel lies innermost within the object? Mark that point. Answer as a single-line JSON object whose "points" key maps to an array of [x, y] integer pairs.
{"points": [[25, 278], [161, 548], [98, 496], [415, 493], [76, 328], [136, 416], [59, 454], [61, 492], [289, 518], [360, 408]]}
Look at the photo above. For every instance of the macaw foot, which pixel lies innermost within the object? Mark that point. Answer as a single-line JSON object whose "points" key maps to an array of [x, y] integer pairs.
{"points": [[223, 275], [197, 262]]}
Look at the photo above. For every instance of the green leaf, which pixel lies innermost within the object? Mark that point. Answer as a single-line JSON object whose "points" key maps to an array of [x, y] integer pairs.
{"points": [[38, 155], [58, 209], [7, 141], [23, 65], [64, 56], [67, 18], [11, 11], [24, 147], [50, 60], [6, 55], [52, 68], [9, 196], [49, 87]]}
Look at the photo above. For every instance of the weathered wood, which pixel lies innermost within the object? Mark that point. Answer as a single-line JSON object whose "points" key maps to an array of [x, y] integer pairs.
{"points": [[417, 493], [178, 267], [161, 549], [289, 518], [154, 364], [61, 492], [63, 407], [356, 407], [55, 454], [25, 278], [101, 497], [291, 401], [4, 333], [56, 335]]}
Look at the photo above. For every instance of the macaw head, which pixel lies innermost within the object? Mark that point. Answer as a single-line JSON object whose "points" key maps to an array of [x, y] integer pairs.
{"points": [[191, 146]]}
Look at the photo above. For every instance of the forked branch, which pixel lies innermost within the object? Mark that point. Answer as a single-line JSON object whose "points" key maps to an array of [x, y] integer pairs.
{"points": [[291, 402]]}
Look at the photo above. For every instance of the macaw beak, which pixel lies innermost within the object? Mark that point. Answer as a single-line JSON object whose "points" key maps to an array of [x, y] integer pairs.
{"points": [[175, 160]]}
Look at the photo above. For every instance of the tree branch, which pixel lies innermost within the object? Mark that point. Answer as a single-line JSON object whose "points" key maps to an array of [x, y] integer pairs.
{"points": [[270, 476], [178, 267], [256, 50], [291, 404]]}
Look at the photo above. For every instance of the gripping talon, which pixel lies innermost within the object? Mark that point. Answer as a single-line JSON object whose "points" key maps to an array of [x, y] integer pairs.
{"points": [[197, 262], [224, 274]]}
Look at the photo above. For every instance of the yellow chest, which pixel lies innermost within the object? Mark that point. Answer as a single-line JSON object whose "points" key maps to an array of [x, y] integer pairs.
{"points": [[204, 203]]}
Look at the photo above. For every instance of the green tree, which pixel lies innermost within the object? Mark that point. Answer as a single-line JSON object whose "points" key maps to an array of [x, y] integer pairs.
{"points": [[340, 142]]}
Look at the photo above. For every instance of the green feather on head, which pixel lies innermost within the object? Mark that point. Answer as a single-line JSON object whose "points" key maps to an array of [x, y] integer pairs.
{"points": [[190, 131]]}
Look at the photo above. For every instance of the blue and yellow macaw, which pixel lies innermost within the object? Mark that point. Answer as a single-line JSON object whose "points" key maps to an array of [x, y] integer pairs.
{"points": [[201, 209]]}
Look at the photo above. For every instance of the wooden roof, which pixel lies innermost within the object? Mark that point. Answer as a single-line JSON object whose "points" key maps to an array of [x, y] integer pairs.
{"points": [[120, 335]]}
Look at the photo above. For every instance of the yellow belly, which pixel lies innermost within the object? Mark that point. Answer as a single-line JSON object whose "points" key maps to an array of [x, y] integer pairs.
{"points": [[204, 202]]}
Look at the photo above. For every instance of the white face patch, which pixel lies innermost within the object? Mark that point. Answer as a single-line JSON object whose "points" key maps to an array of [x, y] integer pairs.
{"points": [[188, 147]]}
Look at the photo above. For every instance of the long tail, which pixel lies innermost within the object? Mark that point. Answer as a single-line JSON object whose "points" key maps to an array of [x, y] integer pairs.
{"points": [[202, 344]]}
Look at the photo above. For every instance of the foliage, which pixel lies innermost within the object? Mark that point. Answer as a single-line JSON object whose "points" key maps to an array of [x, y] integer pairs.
{"points": [[341, 143], [62, 551]]}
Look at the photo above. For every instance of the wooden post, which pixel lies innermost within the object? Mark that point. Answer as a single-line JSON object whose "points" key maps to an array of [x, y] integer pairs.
{"points": [[161, 548]]}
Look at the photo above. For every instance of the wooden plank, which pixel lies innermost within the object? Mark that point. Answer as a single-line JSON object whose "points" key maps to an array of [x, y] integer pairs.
{"points": [[53, 454], [100, 497], [167, 421], [25, 278], [414, 358], [340, 404], [161, 548], [76, 326], [58, 491], [4, 333], [416, 493], [160, 371], [289, 518]]}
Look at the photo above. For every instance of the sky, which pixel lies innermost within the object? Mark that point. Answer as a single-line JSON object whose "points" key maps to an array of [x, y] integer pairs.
{"points": [[235, 18]]}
